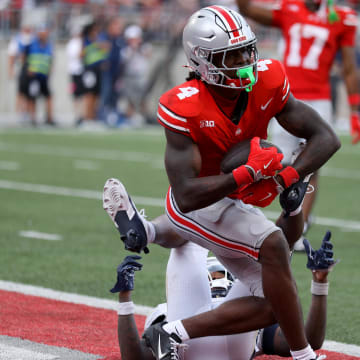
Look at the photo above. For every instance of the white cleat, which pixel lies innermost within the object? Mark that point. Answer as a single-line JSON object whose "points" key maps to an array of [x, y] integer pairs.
{"points": [[122, 211]]}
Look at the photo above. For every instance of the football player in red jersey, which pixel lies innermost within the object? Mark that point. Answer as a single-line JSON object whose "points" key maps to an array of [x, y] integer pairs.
{"points": [[313, 31], [231, 97]]}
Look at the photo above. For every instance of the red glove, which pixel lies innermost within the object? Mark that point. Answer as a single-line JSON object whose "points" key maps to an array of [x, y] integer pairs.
{"points": [[355, 127], [261, 193], [263, 161]]}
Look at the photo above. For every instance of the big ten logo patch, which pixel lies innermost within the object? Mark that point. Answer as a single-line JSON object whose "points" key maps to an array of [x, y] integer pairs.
{"points": [[207, 123]]}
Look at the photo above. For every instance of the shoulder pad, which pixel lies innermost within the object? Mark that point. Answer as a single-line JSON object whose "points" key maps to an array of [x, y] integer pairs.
{"points": [[184, 100], [348, 16], [271, 73]]}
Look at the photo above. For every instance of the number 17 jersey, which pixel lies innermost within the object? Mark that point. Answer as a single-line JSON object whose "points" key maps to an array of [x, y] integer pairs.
{"points": [[311, 43]]}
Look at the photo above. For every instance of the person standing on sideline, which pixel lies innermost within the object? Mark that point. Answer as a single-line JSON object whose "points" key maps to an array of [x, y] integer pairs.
{"points": [[111, 70], [94, 52], [15, 50], [38, 57], [313, 31], [76, 70]]}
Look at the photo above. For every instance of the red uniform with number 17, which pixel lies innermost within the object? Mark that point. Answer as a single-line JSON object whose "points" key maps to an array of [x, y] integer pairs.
{"points": [[191, 110], [311, 43]]}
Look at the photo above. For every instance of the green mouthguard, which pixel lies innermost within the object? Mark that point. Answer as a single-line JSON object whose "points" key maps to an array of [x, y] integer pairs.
{"points": [[333, 15], [247, 73]]}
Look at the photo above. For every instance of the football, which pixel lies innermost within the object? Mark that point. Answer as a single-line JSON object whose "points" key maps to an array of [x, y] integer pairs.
{"points": [[239, 153]]}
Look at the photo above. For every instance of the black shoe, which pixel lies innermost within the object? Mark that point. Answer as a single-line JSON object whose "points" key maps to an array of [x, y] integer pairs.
{"points": [[292, 197], [130, 223], [163, 345]]}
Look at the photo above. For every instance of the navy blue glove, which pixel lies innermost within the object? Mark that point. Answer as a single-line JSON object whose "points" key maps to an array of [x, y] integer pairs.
{"points": [[321, 259], [125, 274]]}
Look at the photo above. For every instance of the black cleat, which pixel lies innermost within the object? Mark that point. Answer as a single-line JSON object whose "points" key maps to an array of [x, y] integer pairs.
{"points": [[128, 220], [163, 345]]}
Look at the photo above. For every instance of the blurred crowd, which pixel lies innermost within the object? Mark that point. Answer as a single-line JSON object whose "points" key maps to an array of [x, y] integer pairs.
{"points": [[109, 49]]}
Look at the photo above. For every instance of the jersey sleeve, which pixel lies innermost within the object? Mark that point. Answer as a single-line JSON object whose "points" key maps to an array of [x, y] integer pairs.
{"points": [[277, 14], [177, 107], [283, 92], [275, 80], [171, 120], [350, 24]]}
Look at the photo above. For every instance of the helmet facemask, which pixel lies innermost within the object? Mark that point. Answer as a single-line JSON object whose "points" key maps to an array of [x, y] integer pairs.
{"points": [[221, 48], [220, 279]]}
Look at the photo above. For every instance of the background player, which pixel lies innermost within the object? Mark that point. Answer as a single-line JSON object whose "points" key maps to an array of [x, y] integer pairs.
{"points": [[313, 33], [187, 278]]}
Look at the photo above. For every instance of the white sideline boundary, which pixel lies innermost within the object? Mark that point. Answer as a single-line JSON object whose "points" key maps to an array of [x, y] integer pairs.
{"points": [[68, 297], [348, 349], [348, 225]]}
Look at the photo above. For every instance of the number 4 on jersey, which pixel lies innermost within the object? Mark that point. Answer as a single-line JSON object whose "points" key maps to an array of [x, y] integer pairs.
{"points": [[186, 92]]}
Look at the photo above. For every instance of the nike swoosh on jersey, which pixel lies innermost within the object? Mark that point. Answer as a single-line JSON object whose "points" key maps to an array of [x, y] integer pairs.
{"points": [[160, 353], [266, 197], [263, 107]]}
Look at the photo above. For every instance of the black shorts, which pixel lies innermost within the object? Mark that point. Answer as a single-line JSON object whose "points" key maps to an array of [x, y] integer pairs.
{"points": [[77, 86], [22, 82], [91, 79], [36, 86]]}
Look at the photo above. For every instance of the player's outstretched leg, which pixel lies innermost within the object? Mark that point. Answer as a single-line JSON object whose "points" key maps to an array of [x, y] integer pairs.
{"points": [[127, 219]]}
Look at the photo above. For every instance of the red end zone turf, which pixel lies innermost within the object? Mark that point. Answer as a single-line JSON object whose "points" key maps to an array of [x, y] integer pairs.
{"points": [[78, 327]]}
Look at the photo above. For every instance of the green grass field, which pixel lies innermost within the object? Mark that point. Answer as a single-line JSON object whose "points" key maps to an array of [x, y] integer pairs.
{"points": [[52, 181]]}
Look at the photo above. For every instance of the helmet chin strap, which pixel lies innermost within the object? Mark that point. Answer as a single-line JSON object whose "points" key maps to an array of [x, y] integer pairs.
{"points": [[247, 73]]}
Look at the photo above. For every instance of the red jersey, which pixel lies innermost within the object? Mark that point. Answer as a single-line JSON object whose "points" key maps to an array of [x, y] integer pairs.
{"points": [[311, 43], [191, 110]]}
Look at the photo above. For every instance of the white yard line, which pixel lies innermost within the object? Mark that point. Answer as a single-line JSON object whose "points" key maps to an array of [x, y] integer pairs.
{"points": [[349, 349], [9, 165], [340, 173], [155, 160], [349, 225], [68, 297], [40, 235], [79, 193], [86, 165], [13, 352], [86, 153]]}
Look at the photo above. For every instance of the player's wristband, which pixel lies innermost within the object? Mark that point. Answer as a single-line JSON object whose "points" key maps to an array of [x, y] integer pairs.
{"points": [[319, 288], [354, 99], [126, 308], [242, 175], [290, 176]]}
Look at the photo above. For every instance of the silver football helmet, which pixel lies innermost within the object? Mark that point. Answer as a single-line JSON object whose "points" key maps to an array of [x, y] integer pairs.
{"points": [[210, 34], [220, 279]]}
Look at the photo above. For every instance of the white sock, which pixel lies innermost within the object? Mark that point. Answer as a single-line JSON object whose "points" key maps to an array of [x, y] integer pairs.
{"points": [[150, 231], [178, 328], [304, 354]]}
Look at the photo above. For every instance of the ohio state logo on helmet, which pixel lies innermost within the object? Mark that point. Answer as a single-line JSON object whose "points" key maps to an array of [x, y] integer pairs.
{"points": [[231, 24], [208, 37]]}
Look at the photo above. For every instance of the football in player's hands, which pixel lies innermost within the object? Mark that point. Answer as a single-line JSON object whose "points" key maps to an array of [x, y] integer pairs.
{"points": [[239, 153]]}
